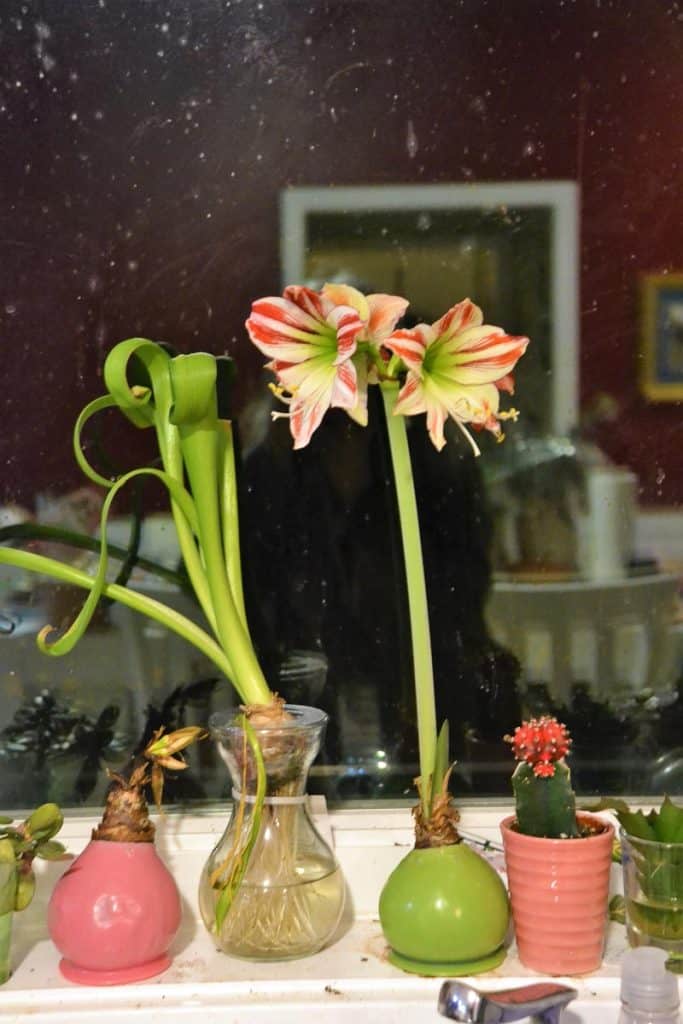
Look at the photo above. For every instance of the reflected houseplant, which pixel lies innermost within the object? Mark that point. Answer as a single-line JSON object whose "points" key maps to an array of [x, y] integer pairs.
{"points": [[19, 845], [558, 860], [444, 909]]}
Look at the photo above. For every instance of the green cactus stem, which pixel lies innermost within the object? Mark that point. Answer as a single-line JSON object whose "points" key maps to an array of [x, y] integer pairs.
{"points": [[545, 806]]}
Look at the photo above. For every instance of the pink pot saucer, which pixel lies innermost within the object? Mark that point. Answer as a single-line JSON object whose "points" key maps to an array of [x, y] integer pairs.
{"points": [[121, 976]]}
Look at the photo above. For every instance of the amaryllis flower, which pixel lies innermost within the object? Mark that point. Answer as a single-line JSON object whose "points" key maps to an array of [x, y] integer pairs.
{"points": [[457, 367], [312, 339]]}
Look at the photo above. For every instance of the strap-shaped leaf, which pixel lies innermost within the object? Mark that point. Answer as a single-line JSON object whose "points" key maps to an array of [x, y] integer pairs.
{"points": [[137, 373], [193, 382], [105, 402], [142, 603], [148, 390], [227, 490], [67, 641]]}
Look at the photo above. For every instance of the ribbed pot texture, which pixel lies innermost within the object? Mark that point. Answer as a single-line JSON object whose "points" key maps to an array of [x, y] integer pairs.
{"points": [[558, 891]]}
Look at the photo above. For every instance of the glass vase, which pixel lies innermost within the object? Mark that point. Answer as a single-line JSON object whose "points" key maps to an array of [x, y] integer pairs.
{"points": [[290, 898]]}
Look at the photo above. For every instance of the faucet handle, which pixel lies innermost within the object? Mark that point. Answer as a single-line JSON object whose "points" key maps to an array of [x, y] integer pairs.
{"points": [[541, 1002]]}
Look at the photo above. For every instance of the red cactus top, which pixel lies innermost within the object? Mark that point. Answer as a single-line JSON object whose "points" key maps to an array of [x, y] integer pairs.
{"points": [[540, 742]]}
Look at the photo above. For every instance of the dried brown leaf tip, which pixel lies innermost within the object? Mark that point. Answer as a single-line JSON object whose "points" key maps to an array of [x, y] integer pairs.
{"points": [[161, 750]]}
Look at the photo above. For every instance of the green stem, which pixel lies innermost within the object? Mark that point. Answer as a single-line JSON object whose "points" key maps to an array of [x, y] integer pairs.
{"points": [[149, 606], [5, 946], [417, 590]]}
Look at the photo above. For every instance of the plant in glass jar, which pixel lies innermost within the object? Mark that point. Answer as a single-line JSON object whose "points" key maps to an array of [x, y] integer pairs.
{"points": [[651, 847], [558, 860], [444, 909], [19, 845]]}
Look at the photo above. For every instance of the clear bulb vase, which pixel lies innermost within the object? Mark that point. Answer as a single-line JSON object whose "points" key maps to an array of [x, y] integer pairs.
{"points": [[290, 898]]}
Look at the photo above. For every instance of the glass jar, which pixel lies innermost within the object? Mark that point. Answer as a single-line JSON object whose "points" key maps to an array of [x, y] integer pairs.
{"points": [[289, 900]]}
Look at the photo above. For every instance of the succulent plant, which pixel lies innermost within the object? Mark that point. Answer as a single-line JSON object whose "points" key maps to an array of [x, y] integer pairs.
{"points": [[19, 845], [544, 798]]}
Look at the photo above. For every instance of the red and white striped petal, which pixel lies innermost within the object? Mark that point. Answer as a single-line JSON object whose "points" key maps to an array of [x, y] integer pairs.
{"points": [[481, 355], [283, 331], [345, 295], [348, 326], [359, 412], [345, 387], [385, 312], [411, 345], [411, 397], [436, 417], [458, 318], [310, 302]]}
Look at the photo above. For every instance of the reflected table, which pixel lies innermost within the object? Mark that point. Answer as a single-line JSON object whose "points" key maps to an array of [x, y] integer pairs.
{"points": [[618, 636]]}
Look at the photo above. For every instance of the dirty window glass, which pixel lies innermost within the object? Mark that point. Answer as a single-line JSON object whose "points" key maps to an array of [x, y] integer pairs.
{"points": [[146, 150]]}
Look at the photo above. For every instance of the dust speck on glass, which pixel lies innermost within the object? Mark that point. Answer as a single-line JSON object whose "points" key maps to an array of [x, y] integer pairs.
{"points": [[148, 151]]}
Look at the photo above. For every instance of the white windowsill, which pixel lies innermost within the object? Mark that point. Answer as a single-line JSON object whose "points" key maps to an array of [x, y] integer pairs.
{"points": [[349, 978]]}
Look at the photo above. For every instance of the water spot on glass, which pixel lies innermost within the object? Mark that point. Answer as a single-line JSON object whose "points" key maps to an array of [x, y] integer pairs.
{"points": [[424, 222], [10, 309], [73, 76], [412, 144], [132, 265], [164, 28]]}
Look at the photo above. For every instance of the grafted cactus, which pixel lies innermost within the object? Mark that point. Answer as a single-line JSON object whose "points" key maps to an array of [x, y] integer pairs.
{"points": [[544, 798]]}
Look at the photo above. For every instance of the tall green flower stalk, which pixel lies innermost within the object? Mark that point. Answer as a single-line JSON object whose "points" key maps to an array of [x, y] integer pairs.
{"points": [[325, 348], [417, 596]]}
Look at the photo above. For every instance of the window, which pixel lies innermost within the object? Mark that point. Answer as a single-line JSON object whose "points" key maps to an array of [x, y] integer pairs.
{"points": [[145, 148]]}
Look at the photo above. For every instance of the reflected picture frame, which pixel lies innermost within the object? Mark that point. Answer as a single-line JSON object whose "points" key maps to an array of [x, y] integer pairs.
{"points": [[661, 349], [300, 205]]}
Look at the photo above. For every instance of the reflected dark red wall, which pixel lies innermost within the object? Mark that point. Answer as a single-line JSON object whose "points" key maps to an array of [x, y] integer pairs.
{"points": [[144, 146]]}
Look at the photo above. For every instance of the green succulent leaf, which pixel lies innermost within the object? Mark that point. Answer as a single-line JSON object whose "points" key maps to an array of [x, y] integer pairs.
{"points": [[44, 823], [4, 820], [26, 887], [668, 824], [8, 887], [7, 852], [51, 850]]}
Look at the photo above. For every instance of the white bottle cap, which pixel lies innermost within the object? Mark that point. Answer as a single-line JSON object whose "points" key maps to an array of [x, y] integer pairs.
{"points": [[645, 982]]}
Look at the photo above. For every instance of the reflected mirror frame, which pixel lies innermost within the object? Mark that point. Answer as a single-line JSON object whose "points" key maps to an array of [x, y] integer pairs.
{"points": [[561, 198]]}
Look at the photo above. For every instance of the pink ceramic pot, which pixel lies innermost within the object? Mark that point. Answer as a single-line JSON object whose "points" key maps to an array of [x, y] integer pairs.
{"points": [[558, 891], [114, 914]]}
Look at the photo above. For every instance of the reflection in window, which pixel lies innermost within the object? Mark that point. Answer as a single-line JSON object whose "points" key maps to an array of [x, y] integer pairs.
{"points": [[144, 150]]}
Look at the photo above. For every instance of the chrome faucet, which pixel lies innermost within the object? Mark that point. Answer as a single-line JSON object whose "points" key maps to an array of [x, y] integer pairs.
{"points": [[542, 1003]]}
